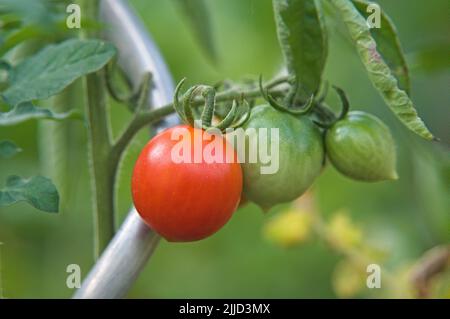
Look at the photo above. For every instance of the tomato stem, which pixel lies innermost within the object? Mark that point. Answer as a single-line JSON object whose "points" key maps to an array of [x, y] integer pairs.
{"points": [[113, 90], [344, 101], [102, 166], [210, 102], [145, 118], [327, 119]]}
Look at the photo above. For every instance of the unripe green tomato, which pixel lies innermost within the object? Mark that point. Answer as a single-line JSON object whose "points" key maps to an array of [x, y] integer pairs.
{"points": [[361, 147], [300, 153]]}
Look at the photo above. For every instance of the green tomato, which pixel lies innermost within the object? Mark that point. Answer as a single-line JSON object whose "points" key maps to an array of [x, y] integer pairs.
{"points": [[361, 147], [297, 148]]}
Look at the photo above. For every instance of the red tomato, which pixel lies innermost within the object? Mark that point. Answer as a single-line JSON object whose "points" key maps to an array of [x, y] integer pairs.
{"points": [[186, 201]]}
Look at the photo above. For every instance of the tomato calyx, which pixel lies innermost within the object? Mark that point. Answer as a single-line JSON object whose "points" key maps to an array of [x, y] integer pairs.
{"points": [[345, 107], [189, 113], [286, 106]]}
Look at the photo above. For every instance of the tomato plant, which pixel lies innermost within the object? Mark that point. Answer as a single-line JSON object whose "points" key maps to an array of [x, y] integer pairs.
{"points": [[242, 142]]}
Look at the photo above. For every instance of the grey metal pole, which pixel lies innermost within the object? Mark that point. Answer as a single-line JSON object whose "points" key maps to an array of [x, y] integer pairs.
{"points": [[127, 253]]}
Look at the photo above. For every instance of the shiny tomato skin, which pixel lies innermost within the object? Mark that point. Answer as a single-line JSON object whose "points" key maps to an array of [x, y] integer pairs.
{"points": [[185, 201], [361, 147], [301, 156]]}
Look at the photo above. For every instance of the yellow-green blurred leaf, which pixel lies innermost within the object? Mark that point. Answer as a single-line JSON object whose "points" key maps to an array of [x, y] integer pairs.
{"points": [[289, 228], [348, 279], [343, 231]]}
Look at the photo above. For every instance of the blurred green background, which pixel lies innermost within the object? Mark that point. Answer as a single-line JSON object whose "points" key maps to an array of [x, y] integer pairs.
{"points": [[405, 217]]}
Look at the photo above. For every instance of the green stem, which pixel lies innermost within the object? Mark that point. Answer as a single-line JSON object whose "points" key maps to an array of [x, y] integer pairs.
{"points": [[277, 81], [150, 117], [102, 172], [324, 113], [146, 118], [102, 168]]}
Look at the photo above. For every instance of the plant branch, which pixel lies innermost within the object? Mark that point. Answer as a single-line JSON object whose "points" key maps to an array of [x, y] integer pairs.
{"points": [[145, 118], [433, 262], [102, 169], [324, 113], [277, 81]]}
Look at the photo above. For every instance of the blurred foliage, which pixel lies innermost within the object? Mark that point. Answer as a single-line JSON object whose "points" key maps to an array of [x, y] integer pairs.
{"points": [[348, 279], [406, 217], [343, 232], [289, 229], [362, 262], [196, 13]]}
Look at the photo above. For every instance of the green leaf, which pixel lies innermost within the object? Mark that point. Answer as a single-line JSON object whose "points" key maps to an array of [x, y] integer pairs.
{"points": [[18, 36], [31, 11], [197, 14], [28, 11], [8, 149], [388, 45], [38, 191], [54, 68], [27, 111], [10, 21], [379, 72], [43, 21], [4, 70], [303, 40]]}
